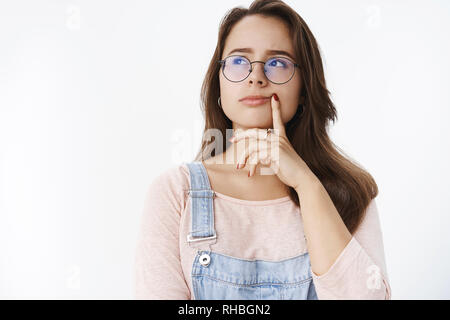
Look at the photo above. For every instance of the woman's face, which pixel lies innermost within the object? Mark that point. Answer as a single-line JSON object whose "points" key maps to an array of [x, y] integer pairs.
{"points": [[258, 33]]}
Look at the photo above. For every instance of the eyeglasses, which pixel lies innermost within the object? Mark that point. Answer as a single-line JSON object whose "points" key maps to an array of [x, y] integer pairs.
{"points": [[278, 70]]}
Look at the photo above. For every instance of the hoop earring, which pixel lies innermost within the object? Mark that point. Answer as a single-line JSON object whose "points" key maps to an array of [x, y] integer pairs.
{"points": [[218, 102]]}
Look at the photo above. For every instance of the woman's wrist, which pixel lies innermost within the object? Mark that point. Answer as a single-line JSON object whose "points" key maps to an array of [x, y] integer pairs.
{"points": [[307, 182]]}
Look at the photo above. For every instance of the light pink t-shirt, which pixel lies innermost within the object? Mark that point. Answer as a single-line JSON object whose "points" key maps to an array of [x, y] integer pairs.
{"points": [[268, 230]]}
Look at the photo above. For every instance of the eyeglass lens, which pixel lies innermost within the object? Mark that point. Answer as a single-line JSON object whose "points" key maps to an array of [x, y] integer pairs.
{"points": [[278, 70]]}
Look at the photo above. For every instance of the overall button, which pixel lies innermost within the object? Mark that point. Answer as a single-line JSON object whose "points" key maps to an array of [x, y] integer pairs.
{"points": [[205, 259]]}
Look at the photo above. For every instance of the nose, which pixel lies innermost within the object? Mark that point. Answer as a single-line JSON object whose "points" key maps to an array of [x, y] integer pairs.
{"points": [[257, 74]]}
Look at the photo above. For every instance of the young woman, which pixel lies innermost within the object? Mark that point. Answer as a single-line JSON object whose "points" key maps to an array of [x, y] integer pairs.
{"points": [[278, 214]]}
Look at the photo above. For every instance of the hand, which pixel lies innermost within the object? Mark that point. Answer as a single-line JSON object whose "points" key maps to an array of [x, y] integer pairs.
{"points": [[275, 151]]}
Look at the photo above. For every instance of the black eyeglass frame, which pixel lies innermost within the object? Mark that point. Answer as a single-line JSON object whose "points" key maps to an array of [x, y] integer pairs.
{"points": [[222, 64]]}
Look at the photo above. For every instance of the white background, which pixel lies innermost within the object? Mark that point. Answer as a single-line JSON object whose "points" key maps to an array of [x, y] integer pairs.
{"points": [[99, 97]]}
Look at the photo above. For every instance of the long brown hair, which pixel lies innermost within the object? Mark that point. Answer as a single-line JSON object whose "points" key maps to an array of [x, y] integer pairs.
{"points": [[350, 187]]}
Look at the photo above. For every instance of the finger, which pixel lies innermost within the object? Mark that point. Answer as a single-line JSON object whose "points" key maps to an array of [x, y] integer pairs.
{"points": [[251, 133], [256, 158], [275, 165], [258, 134], [252, 146], [278, 124], [253, 160]]}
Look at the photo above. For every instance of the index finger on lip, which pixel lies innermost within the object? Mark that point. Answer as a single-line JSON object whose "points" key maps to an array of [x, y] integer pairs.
{"points": [[276, 115]]}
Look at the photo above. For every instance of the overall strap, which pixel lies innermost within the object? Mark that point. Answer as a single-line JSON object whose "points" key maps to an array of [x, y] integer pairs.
{"points": [[202, 209]]}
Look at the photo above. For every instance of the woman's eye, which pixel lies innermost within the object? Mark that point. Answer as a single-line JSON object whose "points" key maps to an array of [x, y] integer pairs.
{"points": [[273, 63], [238, 61]]}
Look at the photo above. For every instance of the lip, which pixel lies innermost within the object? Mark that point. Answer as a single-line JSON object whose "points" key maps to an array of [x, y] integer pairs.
{"points": [[254, 100]]}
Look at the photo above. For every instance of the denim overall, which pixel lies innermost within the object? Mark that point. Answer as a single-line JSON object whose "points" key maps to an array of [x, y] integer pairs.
{"points": [[221, 277]]}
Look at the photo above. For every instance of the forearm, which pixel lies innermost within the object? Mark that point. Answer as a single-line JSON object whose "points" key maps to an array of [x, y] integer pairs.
{"points": [[324, 228]]}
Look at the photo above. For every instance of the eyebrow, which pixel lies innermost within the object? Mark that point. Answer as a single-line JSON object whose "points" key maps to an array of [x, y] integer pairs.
{"points": [[250, 50]]}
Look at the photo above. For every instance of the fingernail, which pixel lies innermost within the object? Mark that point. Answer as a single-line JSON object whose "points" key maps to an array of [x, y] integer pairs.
{"points": [[275, 96]]}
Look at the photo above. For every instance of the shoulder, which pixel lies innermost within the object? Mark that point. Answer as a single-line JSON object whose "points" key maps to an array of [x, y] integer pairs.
{"points": [[175, 177], [371, 217], [170, 186]]}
